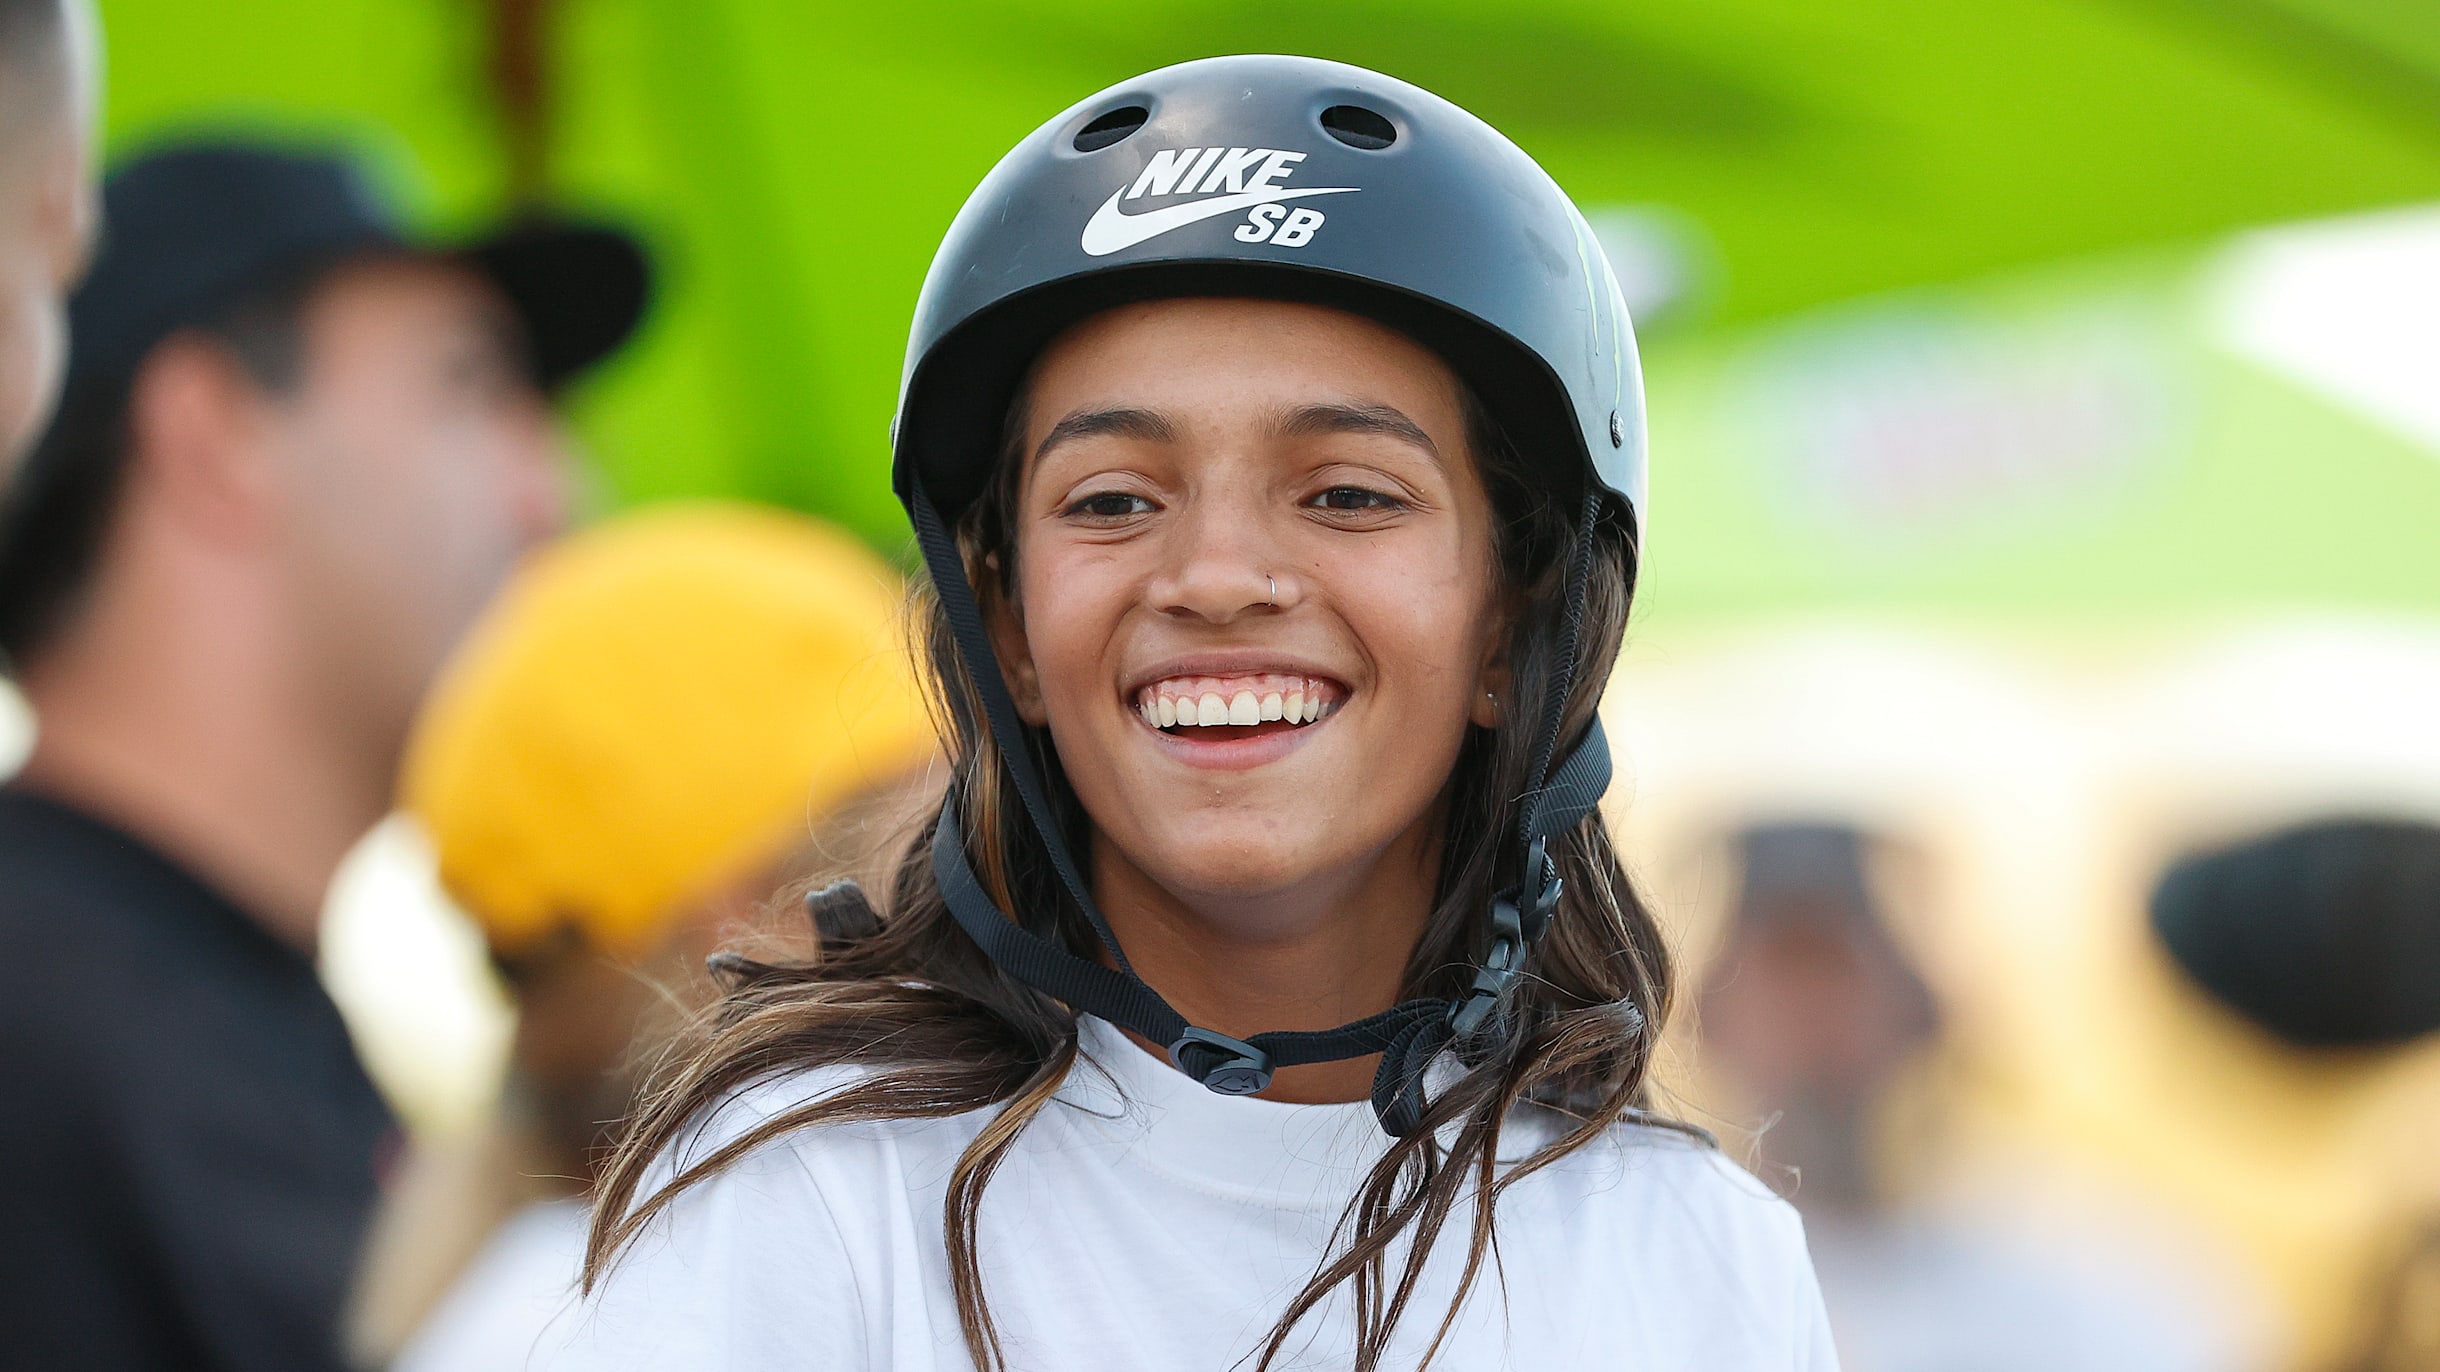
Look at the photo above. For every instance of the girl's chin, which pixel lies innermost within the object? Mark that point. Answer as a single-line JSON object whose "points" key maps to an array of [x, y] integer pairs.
{"points": [[1230, 862]]}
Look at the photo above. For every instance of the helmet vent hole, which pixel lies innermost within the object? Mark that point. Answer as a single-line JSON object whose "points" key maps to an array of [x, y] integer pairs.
{"points": [[1358, 127], [1111, 128]]}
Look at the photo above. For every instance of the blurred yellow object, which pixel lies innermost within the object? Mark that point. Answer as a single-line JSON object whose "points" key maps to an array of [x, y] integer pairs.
{"points": [[653, 706]]}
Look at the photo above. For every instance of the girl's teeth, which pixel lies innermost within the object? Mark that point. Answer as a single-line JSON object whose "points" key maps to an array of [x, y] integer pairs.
{"points": [[1246, 707]]}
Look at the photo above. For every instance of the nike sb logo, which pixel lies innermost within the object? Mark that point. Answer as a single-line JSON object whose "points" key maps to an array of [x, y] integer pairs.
{"points": [[1225, 180]]}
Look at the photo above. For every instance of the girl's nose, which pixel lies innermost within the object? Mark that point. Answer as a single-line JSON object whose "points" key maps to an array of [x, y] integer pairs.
{"points": [[1223, 564]]}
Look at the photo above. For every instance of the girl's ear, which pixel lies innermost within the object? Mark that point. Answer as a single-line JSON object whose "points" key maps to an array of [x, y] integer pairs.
{"points": [[1490, 704], [1004, 620]]}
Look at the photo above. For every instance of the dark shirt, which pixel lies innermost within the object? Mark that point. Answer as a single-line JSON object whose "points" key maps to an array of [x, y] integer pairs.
{"points": [[188, 1143]]}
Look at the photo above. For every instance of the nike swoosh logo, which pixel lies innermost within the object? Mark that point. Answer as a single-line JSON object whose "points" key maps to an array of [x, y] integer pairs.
{"points": [[1109, 230]]}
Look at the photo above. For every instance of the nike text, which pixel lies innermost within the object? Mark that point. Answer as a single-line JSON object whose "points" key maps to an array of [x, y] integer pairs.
{"points": [[1228, 180]]}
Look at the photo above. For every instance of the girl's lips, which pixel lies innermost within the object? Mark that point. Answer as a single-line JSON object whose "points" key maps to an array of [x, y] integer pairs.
{"points": [[1235, 748]]}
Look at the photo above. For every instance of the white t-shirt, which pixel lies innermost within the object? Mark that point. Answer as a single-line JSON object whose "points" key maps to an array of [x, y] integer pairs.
{"points": [[1142, 1222]]}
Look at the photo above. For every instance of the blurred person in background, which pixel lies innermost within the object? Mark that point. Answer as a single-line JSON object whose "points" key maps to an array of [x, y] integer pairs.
{"points": [[663, 720], [2324, 939], [48, 64], [1817, 1020], [294, 456]]}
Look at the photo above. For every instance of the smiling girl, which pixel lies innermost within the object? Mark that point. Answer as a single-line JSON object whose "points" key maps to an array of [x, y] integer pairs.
{"points": [[1267, 992]]}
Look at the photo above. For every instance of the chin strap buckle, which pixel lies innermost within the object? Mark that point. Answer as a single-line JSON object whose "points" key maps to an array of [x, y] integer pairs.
{"points": [[1227, 1066], [1515, 929]]}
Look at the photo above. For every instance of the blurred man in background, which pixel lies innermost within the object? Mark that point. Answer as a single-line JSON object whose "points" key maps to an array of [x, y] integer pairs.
{"points": [[47, 69], [663, 721], [293, 458], [1817, 1017], [1814, 1010]]}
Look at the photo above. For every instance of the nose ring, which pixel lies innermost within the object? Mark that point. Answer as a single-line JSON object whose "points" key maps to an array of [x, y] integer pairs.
{"points": [[1273, 602]]}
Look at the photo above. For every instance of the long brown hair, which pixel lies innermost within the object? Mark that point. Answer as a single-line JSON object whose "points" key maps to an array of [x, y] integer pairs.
{"points": [[938, 1030]]}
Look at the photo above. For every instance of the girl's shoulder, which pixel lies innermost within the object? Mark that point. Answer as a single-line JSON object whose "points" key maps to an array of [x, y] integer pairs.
{"points": [[1673, 1191], [770, 1123], [752, 1212], [1676, 1160], [1671, 1162]]}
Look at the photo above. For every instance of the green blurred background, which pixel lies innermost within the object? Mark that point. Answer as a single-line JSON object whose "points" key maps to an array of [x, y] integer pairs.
{"points": [[1952, 223]]}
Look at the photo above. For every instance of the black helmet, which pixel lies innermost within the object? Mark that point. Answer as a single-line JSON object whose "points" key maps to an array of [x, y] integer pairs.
{"points": [[1292, 178], [1296, 179]]}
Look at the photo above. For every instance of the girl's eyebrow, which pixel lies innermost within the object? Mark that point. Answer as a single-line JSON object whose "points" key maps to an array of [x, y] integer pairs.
{"points": [[1301, 421], [1149, 425], [1305, 421]]}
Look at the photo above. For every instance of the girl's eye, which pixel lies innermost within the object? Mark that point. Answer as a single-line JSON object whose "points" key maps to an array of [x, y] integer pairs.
{"points": [[1110, 505], [1355, 500]]}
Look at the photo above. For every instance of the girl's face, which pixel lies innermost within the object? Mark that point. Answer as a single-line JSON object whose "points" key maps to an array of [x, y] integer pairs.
{"points": [[1256, 594]]}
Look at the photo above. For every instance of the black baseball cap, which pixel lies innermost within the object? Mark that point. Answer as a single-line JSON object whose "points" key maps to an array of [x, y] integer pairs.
{"points": [[2326, 935], [191, 231], [188, 229]]}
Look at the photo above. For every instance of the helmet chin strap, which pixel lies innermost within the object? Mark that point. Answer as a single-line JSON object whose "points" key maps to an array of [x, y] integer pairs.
{"points": [[1408, 1036]]}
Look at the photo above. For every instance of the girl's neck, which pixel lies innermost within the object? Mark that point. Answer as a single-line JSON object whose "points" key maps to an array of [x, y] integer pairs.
{"points": [[1329, 951]]}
